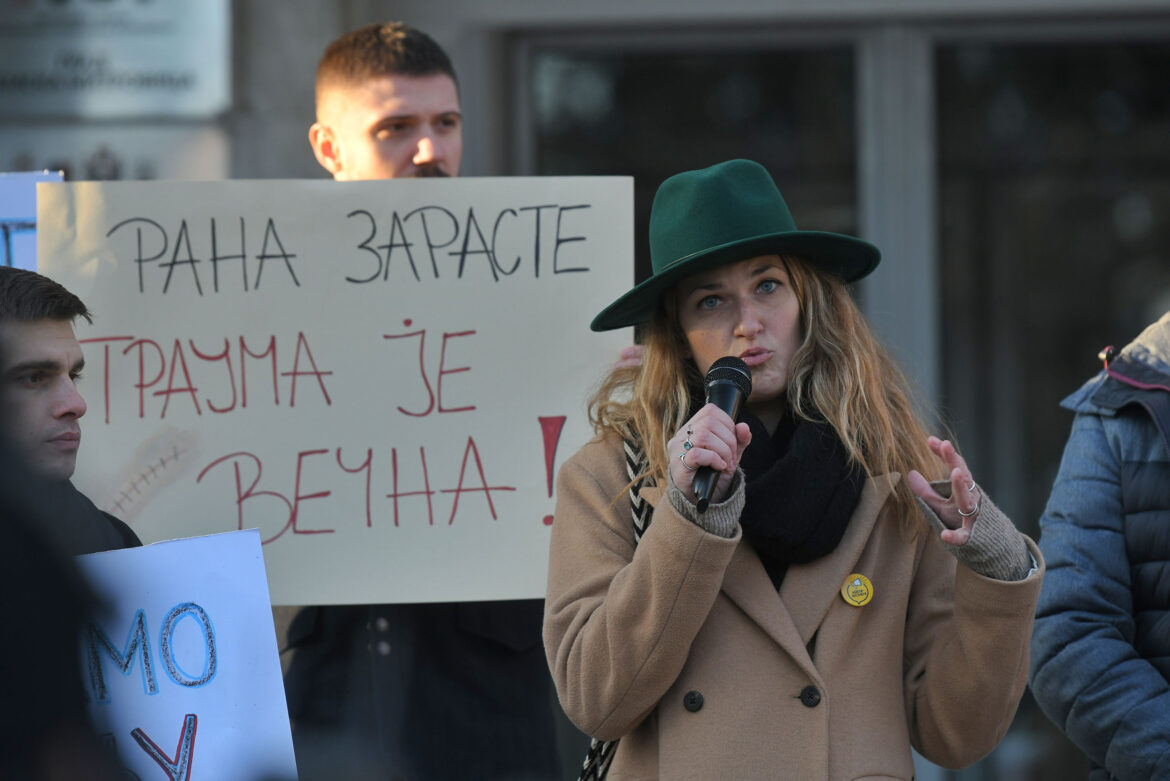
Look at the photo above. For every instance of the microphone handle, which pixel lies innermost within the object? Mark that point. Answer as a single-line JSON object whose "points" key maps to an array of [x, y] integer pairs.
{"points": [[727, 396]]}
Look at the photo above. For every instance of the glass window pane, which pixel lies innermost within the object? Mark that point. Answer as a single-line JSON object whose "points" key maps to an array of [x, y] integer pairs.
{"points": [[651, 114], [1054, 232], [1054, 235]]}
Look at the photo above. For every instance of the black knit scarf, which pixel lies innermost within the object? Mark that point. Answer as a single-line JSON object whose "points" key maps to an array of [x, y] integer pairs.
{"points": [[801, 492]]}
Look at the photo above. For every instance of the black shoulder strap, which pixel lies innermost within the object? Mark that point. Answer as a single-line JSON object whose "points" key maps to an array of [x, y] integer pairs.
{"points": [[640, 509]]}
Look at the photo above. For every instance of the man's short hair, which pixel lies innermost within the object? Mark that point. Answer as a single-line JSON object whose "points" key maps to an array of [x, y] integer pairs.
{"points": [[27, 296], [378, 50]]}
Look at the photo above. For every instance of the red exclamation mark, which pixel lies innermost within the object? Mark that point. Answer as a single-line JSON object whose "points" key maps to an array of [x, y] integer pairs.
{"points": [[551, 429]]}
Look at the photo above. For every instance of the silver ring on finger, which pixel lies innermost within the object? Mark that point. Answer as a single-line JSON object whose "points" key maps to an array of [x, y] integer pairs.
{"points": [[683, 457], [974, 510]]}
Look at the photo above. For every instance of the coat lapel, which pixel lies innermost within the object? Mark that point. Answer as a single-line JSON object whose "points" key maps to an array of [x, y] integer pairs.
{"points": [[809, 589], [792, 616], [746, 583]]}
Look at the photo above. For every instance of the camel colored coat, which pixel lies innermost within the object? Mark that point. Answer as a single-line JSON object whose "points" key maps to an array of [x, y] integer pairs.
{"points": [[682, 647]]}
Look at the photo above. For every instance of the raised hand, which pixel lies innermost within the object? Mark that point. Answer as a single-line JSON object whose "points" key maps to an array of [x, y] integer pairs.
{"points": [[960, 510]]}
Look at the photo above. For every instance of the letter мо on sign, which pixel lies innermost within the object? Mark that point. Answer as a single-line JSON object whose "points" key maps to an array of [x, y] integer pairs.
{"points": [[184, 647]]}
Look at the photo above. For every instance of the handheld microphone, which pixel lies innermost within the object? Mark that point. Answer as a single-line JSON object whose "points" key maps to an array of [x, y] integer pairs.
{"points": [[728, 383]]}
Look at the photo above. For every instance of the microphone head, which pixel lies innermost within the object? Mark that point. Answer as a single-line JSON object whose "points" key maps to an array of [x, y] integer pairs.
{"points": [[730, 369]]}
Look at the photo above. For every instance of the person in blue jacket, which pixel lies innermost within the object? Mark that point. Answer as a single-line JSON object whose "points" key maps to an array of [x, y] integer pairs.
{"points": [[1100, 664]]}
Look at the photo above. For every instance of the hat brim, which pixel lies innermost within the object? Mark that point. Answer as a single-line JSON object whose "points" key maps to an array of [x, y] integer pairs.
{"points": [[847, 257]]}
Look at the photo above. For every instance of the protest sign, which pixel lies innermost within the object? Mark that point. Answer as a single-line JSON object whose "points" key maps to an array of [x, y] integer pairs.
{"points": [[181, 665], [18, 217], [382, 377]]}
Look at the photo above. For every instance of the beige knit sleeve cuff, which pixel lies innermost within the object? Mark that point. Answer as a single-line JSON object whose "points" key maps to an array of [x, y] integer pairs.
{"points": [[995, 549], [720, 519]]}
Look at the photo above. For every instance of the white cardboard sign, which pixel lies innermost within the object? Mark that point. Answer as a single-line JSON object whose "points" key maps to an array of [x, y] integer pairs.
{"points": [[181, 665], [382, 377]]}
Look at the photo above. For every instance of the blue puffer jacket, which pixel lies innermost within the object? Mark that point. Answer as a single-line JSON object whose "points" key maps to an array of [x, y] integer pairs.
{"points": [[1101, 642]]}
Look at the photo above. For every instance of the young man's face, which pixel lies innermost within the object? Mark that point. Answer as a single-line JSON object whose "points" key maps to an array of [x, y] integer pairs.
{"points": [[389, 128], [40, 362]]}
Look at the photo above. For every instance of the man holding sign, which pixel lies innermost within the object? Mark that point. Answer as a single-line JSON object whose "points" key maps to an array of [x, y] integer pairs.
{"points": [[40, 364], [446, 690]]}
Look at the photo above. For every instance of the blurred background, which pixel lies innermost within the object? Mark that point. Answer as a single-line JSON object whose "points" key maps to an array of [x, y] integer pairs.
{"points": [[1010, 157]]}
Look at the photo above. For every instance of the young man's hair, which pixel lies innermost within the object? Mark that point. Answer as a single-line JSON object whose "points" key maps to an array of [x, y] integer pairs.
{"points": [[378, 50], [26, 296]]}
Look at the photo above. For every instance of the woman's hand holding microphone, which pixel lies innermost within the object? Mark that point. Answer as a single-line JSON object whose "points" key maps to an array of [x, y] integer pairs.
{"points": [[709, 439]]}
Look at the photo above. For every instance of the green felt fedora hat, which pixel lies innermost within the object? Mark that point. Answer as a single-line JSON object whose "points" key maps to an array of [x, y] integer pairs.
{"points": [[723, 214]]}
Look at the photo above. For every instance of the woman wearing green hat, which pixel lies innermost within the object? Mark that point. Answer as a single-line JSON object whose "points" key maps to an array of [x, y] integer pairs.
{"points": [[831, 607]]}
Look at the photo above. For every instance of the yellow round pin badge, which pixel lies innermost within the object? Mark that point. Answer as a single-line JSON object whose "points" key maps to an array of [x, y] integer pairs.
{"points": [[857, 590]]}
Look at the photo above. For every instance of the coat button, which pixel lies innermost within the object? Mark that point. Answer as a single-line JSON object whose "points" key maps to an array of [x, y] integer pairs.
{"points": [[810, 697], [693, 701]]}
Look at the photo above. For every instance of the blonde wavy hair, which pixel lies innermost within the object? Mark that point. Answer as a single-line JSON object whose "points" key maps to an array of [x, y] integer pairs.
{"points": [[840, 373]]}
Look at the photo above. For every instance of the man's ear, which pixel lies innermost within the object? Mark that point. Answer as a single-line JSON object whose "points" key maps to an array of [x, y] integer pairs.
{"points": [[325, 147]]}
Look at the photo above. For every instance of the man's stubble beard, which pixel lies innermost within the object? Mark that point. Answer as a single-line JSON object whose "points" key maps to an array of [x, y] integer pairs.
{"points": [[428, 171]]}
